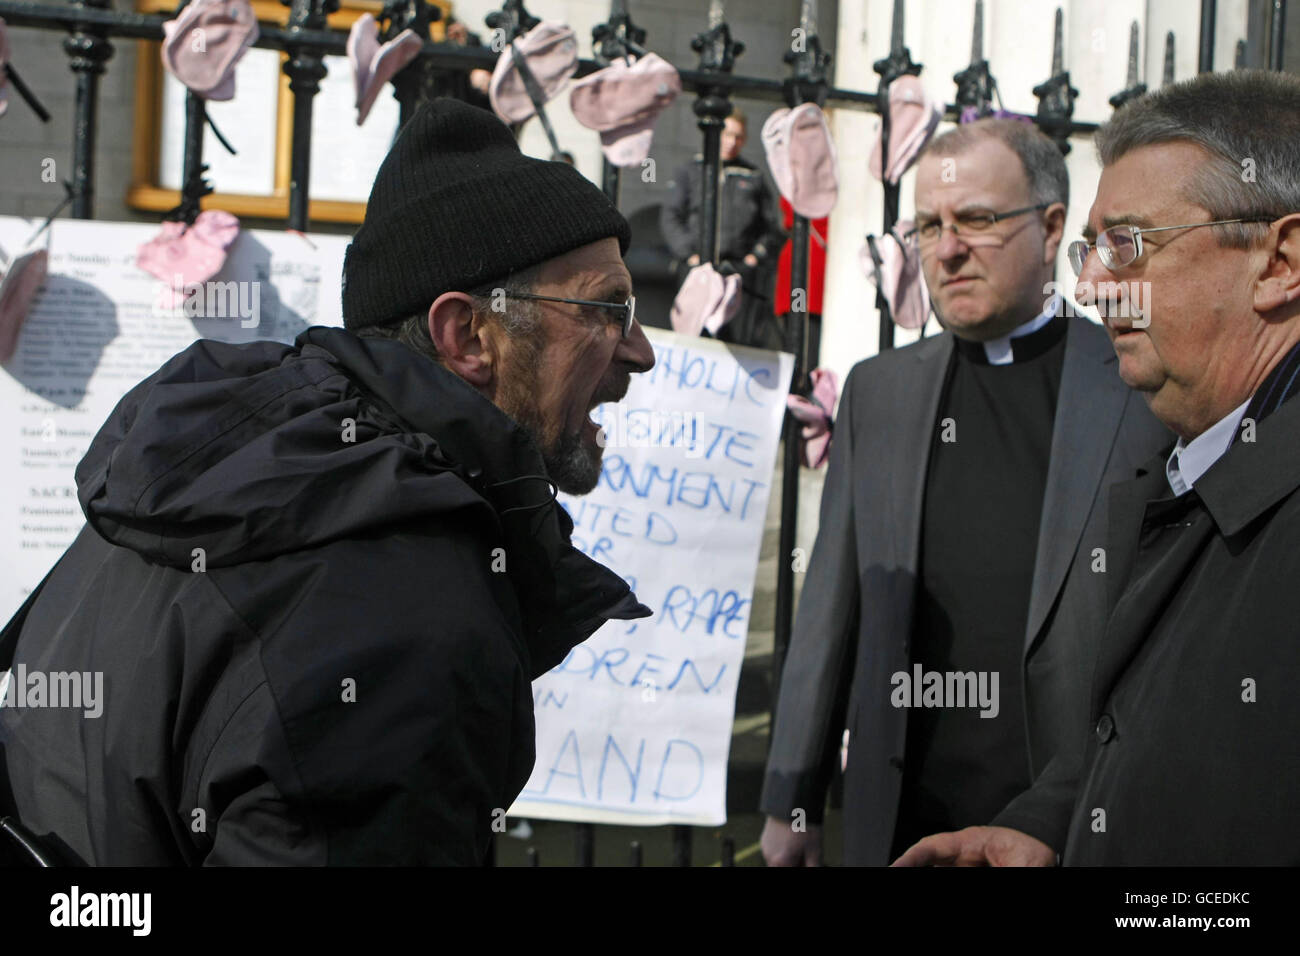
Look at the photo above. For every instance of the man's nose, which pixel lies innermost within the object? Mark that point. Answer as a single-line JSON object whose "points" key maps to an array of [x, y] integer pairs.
{"points": [[950, 245], [636, 350], [1092, 274]]}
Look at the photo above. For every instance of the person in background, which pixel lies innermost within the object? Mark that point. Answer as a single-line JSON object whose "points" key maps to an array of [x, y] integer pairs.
{"points": [[467, 86], [749, 232]]}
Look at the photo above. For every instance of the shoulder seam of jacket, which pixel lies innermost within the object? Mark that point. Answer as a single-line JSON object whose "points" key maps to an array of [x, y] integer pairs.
{"points": [[248, 412]]}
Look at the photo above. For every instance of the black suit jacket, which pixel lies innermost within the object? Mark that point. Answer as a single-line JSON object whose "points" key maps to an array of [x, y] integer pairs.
{"points": [[1194, 751], [854, 619]]}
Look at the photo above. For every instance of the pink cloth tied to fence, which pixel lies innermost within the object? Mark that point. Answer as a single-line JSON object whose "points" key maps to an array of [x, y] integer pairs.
{"points": [[902, 283], [706, 300], [202, 46], [22, 279], [801, 155], [373, 63], [913, 118], [183, 257], [551, 51], [623, 102], [816, 415]]}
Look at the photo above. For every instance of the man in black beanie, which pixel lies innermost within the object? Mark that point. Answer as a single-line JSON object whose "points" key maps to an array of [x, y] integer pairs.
{"points": [[316, 581]]}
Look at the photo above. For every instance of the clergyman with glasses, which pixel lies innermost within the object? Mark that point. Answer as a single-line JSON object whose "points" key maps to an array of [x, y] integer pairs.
{"points": [[319, 578], [950, 614], [1193, 756]]}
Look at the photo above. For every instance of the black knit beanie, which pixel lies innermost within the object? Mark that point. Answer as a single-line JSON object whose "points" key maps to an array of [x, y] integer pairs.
{"points": [[456, 204]]}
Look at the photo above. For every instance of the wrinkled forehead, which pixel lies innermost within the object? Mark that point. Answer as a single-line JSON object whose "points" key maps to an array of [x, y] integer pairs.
{"points": [[1147, 185], [987, 173], [595, 269]]}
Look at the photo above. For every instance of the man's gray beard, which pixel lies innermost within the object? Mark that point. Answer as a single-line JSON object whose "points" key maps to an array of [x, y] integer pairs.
{"points": [[573, 466]]}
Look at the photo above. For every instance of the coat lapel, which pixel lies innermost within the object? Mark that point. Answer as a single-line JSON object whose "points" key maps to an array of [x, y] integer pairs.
{"points": [[1134, 604], [916, 421], [1089, 408]]}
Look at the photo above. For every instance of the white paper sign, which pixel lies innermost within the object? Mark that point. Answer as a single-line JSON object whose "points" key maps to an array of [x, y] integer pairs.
{"points": [[94, 331], [635, 725]]}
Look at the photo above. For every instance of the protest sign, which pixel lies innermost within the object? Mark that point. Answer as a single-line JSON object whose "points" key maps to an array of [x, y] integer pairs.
{"points": [[634, 726]]}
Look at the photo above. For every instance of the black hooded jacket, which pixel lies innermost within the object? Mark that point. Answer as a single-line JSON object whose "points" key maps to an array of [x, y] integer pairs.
{"points": [[318, 581]]}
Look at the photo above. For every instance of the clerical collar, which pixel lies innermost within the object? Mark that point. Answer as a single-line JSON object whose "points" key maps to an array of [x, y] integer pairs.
{"points": [[1025, 342]]}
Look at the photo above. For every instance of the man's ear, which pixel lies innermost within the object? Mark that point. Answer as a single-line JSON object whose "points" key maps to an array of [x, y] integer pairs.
{"points": [[462, 340], [1054, 226], [1279, 283]]}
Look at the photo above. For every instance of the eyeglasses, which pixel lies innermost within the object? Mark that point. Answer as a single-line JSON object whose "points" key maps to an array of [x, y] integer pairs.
{"points": [[1121, 246], [967, 225], [626, 311]]}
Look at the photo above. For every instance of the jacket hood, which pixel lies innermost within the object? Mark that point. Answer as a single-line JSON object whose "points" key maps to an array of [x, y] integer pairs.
{"points": [[250, 452]]}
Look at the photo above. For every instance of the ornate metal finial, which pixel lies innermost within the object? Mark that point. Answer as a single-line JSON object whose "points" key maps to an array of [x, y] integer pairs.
{"points": [[899, 62], [975, 84], [512, 18], [717, 50], [1056, 96], [414, 15], [1133, 89], [809, 62], [413, 84], [1168, 75], [618, 37]]}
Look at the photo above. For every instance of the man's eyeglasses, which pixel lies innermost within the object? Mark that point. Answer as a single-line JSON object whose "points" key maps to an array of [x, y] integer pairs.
{"points": [[1121, 246], [966, 225], [625, 311]]}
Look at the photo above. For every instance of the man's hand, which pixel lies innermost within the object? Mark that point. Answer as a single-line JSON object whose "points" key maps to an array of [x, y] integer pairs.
{"points": [[977, 846], [782, 846], [694, 259], [751, 260]]}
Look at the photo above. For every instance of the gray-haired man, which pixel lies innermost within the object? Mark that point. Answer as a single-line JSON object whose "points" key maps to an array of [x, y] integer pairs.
{"points": [[1193, 756]]}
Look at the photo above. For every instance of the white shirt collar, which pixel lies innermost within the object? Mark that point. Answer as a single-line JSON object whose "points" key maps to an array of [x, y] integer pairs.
{"points": [[998, 350], [1189, 460]]}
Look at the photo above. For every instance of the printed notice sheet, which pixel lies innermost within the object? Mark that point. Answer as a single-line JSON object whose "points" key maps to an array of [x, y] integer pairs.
{"points": [[100, 325]]}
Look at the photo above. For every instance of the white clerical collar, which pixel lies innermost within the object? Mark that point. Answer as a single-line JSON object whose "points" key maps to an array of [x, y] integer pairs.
{"points": [[1189, 460], [998, 350]]}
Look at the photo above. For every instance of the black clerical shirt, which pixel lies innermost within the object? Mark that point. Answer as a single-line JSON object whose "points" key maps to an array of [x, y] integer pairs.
{"points": [[983, 499]]}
